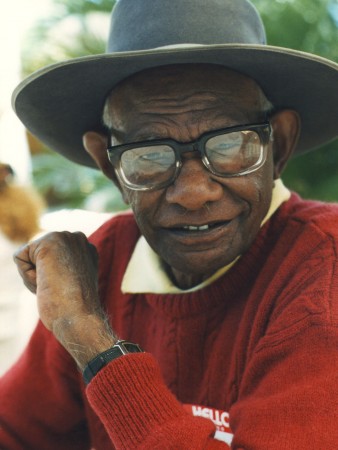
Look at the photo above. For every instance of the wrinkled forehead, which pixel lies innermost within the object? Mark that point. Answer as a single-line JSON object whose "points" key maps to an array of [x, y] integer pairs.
{"points": [[182, 83]]}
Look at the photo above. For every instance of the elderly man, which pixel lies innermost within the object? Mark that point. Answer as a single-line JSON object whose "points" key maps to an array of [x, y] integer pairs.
{"points": [[221, 283]]}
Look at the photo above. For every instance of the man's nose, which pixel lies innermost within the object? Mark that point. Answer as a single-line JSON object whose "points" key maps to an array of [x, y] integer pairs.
{"points": [[194, 187]]}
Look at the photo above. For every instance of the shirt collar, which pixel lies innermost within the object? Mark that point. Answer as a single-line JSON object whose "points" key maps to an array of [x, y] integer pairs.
{"points": [[145, 272]]}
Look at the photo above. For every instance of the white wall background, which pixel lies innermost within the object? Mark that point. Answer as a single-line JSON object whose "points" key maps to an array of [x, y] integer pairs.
{"points": [[15, 20]]}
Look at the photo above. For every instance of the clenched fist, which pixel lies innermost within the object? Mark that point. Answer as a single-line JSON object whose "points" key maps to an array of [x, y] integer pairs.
{"points": [[61, 268]]}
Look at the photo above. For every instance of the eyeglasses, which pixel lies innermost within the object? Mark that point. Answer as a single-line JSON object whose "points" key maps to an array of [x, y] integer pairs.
{"points": [[155, 164]]}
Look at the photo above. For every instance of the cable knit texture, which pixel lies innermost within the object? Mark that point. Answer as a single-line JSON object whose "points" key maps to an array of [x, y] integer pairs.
{"points": [[260, 343]]}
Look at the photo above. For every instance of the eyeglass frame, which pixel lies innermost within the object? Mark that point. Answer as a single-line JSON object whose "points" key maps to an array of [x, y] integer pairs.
{"points": [[114, 152]]}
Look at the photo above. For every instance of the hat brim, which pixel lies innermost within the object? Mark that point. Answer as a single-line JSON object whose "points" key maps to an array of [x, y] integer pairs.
{"points": [[59, 103]]}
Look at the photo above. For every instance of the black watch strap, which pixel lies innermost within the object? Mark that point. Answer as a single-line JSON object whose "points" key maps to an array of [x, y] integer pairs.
{"points": [[119, 349]]}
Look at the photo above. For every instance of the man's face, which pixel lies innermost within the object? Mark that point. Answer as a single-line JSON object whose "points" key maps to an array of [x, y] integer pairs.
{"points": [[182, 103]]}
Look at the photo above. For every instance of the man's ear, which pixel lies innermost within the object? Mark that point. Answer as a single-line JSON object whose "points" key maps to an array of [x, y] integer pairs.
{"points": [[286, 130], [96, 145]]}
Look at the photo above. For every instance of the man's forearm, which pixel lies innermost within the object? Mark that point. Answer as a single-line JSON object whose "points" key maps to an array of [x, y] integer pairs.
{"points": [[84, 337]]}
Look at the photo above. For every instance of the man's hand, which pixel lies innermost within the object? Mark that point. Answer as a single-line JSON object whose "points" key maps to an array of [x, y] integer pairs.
{"points": [[61, 268]]}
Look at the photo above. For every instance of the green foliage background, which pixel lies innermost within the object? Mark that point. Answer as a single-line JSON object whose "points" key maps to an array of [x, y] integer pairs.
{"points": [[308, 25]]}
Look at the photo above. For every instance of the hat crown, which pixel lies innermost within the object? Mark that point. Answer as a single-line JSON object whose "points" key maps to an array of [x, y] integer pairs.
{"points": [[146, 24]]}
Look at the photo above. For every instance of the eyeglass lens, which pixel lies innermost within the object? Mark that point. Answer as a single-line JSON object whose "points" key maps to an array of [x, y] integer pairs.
{"points": [[148, 165], [233, 153]]}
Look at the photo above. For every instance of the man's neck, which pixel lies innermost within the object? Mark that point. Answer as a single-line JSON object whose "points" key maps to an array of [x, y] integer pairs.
{"points": [[184, 280]]}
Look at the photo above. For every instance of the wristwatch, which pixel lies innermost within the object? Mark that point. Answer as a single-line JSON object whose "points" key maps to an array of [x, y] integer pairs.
{"points": [[119, 349]]}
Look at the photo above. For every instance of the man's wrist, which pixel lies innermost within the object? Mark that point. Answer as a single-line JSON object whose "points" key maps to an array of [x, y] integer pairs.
{"points": [[84, 337]]}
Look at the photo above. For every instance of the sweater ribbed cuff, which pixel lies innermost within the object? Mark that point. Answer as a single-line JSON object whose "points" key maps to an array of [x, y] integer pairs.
{"points": [[132, 401]]}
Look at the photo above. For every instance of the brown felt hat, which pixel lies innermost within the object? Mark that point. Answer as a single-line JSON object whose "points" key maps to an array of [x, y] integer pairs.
{"points": [[60, 102]]}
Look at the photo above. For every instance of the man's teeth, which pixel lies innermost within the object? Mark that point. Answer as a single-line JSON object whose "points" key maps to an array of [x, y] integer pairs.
{"points": [[193, 228]]}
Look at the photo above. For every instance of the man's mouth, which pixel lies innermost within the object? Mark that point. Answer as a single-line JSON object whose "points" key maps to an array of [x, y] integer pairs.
{"points": [[196, 228], [200, 228], [201, 236]]}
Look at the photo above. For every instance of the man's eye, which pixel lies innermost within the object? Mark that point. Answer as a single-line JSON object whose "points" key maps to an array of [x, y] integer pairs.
{"points": [[161, 155], [153, 157], [225, 145], [227, 150]]}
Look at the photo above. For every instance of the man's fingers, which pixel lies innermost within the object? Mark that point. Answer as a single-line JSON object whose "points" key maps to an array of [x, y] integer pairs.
{"points": [[87, 245], [26, 267]]}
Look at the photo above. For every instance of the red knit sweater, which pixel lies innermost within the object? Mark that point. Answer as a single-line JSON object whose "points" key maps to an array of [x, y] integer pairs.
{"points": [[259, 344]]}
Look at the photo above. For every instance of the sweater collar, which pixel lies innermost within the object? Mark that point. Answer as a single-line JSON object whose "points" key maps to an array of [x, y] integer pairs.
{"points": [[145, 272]]}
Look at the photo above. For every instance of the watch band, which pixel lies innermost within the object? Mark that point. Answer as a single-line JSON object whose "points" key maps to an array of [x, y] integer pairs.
{"points": [[119, 349]]}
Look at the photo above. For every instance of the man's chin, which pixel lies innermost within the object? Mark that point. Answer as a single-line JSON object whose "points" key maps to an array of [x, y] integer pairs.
{"points": [[189, 272]]}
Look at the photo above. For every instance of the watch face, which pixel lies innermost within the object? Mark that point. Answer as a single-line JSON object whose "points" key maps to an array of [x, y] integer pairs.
{"points": [[132, 348], [119, 349]]}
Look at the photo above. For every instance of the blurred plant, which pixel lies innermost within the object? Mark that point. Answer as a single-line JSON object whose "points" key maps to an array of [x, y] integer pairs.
{"points": [[76, 28], [310, 26], [65, 184]]}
